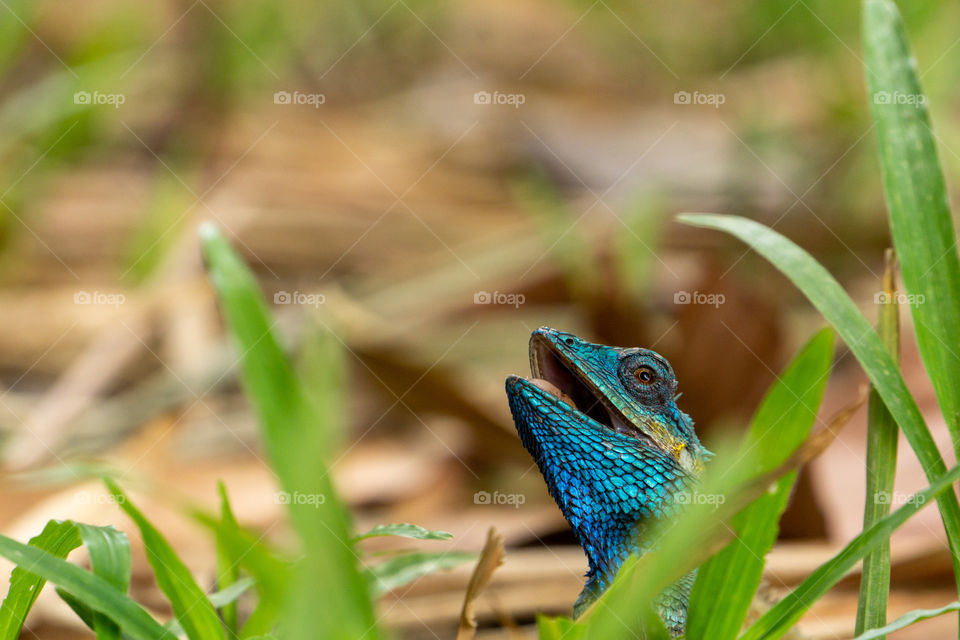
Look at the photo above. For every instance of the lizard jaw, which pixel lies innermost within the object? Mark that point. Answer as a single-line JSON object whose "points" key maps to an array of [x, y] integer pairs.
{"points": [[551, 374]]}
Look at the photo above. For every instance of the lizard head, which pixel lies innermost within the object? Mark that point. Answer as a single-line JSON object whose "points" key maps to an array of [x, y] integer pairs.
{"points": [[630, 392]]}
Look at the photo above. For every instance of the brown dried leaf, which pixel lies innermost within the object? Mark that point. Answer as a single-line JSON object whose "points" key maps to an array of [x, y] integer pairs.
{"points": [[490, 558]]}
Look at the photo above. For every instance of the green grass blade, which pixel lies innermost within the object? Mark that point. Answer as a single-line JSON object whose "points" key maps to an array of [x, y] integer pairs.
{"points": [[563, 628], [85, 613], [190, 604], [228, 564], [778, 620], [263, 619], [920, 222], [109, 554], [404, 569], [58, 538], [272, 575], [840, 311], [296, 434], [404, 530], [322, 369], [14, 33], [93, 591], [908, 619], [624, 609], [232, 593], [559, 628], [782, 423], [881, 469], [109, 551], [220, 600]]}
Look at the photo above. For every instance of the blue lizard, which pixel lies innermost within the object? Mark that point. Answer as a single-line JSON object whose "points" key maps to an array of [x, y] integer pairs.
{"points": [[603, 426]]}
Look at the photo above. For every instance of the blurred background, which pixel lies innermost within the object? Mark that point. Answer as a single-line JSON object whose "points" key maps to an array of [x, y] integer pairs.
{"points": [[428, 182]]}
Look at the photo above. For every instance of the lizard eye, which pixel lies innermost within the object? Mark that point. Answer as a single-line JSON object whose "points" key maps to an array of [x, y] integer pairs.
{"points": [[645, 375]]}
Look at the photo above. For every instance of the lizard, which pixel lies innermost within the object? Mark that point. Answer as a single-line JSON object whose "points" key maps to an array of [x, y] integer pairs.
{"points": [[603, 426]]}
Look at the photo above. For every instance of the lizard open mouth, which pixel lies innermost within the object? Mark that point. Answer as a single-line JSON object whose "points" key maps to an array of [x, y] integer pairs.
{"points": [[553, 375]]}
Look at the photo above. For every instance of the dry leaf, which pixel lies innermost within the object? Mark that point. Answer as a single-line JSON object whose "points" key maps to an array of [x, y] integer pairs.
{"points": [[490, 558]]}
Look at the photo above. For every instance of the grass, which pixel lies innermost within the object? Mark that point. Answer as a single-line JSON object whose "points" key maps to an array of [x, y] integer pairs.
{"points": [[881, 469], [782, 423], [300, 432]]}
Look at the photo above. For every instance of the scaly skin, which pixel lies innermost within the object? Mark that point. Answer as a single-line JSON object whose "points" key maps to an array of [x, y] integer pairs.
{"points": [[615, 460]]}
